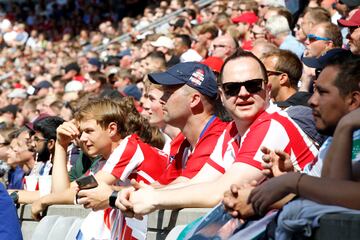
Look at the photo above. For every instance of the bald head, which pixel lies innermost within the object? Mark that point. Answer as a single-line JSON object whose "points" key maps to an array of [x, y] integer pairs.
{"points": [[223, 46]]}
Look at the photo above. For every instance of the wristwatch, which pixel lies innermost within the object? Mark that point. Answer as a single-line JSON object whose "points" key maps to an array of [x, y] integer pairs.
{"points": [[113, 198], [15, 196]]}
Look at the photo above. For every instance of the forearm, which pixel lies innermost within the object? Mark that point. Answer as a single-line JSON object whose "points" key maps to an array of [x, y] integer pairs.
{"points": [[27, 197], [329, 191], [61, 181], [195, 196], [66, 197]]}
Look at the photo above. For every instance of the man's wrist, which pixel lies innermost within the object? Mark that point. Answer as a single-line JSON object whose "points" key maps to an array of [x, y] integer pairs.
{"points": [[112, 199], [15, 196]]}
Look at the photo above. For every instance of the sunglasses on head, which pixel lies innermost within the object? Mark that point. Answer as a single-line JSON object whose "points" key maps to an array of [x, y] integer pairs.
{"points": [[233, 88]]}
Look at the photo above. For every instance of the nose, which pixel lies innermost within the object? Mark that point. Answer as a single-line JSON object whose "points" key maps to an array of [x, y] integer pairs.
{"points": [[83, 137], [243, 92], [313, 99]]}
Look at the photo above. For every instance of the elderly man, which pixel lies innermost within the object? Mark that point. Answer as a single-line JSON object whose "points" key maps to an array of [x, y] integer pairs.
{"points": [[223, 47], [279, 33]]}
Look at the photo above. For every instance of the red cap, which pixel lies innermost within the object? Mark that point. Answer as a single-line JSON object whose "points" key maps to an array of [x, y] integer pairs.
{"points": [[352, 21], [248, 17], [215, 63]]}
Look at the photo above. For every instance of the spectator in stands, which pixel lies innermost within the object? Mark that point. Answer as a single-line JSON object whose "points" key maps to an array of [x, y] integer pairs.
{"points": [[72, 71], [223, 47], [42, 144], [155, 114], [20, 158], [182, 48], [321, 38], [279, 33], [265, 4], [247, 104], [284, 70], [261, 47], [8, 115], [353, 23], [43, 141], [313, 16], [245, 23], [277, 11], [206, 34], [114, 131], [166, 45], [338, 167]]}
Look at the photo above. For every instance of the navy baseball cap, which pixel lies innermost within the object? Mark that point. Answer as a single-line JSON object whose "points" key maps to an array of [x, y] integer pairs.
{"points": [[322, 61], [194, 74]]}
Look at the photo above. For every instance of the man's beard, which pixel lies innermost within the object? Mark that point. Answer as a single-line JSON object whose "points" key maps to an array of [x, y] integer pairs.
{"points": [[43, 155], [328, 131]]}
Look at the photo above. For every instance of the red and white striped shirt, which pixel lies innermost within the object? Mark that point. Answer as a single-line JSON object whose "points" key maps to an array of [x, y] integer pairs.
{"points": [[277, 131], [273, 129], [226, 149], [132, 159], [187, 162]]}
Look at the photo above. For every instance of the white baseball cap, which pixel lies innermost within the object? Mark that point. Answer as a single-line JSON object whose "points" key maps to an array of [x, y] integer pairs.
{"points": [[163, 42]]}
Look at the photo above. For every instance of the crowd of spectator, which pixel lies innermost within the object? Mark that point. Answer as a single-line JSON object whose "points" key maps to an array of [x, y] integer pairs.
{"points": [[248, 106]]}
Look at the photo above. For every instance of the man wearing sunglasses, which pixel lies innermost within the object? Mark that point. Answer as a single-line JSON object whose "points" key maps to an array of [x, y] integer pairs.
{"points": [[322, 37], [284, 70], [245, 93]]}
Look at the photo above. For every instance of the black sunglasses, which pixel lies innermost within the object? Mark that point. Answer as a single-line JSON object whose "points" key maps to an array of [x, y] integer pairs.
{"points": [[233, 88]]}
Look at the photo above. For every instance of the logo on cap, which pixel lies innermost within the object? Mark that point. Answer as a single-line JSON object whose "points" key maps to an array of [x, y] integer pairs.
{"points": [[197, 77]]}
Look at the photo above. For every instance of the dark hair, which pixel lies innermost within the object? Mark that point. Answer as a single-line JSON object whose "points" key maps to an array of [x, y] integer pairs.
{"points": [[47, 126], [288, 63], [348, 75], [243, 54], [185, 39], [209, 28], [191, 12], [99, 77]]}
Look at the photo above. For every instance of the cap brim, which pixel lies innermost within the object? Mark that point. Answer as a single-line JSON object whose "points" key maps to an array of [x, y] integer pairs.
{"points": [[311, 62], [347, 23], [155, 44], [165, 79]]}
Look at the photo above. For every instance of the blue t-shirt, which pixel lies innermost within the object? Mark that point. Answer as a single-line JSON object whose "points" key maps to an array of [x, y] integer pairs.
{"points": [[16, 178], [9, 222]]}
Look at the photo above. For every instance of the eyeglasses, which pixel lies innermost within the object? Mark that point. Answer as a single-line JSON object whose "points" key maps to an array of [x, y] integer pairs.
{"points": [[233, 88], [36, 139], [272, 72], [219, 46], [313, 38]]}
